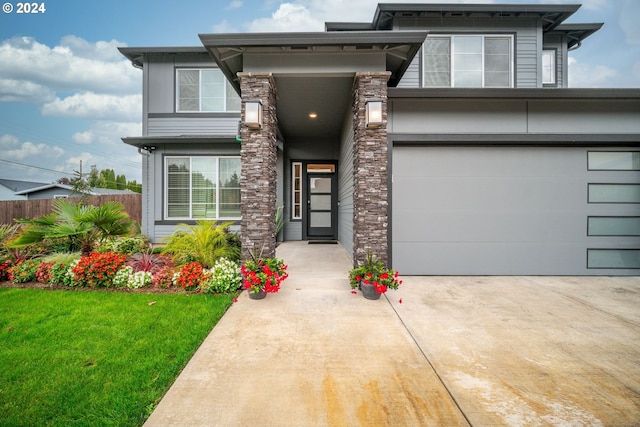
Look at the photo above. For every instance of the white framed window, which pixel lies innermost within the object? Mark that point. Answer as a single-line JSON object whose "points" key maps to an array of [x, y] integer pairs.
{"points": [[202, 187], [468, 61], [549, 67], [296, 190], [204, 90]]}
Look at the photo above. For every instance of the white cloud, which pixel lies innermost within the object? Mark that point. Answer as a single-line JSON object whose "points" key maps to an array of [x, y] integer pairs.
{"points": [[590, 75], [106, 136], [73, 65], [311, 15], [12, 90], [14, 150], [95, 106], [83, 138], [288, 17], [107, 132], [234, 4], [8, 141]]}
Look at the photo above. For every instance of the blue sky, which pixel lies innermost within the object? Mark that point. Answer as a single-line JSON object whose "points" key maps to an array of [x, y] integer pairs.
{"points": [[66, 93]]}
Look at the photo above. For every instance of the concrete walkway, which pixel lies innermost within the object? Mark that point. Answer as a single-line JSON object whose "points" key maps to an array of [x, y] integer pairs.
{"points": [[441, 351]]}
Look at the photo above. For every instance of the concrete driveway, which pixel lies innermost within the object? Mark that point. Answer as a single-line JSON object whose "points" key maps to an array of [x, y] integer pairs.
{"points": [[453, 351]]}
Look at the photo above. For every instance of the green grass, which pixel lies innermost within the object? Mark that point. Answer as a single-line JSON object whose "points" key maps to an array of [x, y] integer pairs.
{"points": [[95, 358]]}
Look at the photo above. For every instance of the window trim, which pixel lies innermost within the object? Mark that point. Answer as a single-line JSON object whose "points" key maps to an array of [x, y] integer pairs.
{"points": [[589, 168], [612, 184], [554, 67], [176, 92], [293, 190], [451, 37], [589, 267], [165, 190], [591, 233]]}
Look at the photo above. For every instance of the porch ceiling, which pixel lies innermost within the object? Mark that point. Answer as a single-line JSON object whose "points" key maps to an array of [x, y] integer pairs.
{"points": [[329, 97]]}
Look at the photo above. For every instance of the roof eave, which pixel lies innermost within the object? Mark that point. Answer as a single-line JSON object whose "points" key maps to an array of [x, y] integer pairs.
{"points": [[136, 54], [576, 32], [385, 11], [241, 42]]}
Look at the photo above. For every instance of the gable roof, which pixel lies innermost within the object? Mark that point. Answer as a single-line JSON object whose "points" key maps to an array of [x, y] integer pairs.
{"points": [[18, 185], [92, 192]]}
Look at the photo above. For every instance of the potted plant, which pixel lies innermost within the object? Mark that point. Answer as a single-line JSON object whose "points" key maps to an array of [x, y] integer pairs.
{"points": [[373, 278], [263, 275]]}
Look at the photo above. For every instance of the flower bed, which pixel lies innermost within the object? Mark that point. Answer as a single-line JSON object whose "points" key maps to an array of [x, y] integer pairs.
{"points": [[110, 270]]}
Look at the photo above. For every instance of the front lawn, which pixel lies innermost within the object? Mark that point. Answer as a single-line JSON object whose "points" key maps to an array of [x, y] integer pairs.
{"points": [[95, 358]]}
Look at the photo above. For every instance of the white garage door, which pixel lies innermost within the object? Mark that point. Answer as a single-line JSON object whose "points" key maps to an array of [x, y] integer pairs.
{"points": [[504, 211]]}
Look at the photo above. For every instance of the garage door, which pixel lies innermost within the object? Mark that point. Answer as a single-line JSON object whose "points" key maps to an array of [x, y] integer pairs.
{"points": [[507, 211]]}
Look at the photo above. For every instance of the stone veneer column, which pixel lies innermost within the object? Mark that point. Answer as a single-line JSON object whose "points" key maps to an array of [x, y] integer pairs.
{"points": [[258, 169], [370, 162]]}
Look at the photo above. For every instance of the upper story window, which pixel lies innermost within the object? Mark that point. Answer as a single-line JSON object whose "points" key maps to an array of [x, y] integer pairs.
{"points": [[549, 67], [468, 61], [204, 90]]}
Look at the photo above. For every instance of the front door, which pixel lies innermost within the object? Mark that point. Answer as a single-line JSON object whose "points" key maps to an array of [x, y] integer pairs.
{"points": [[322, 205]]}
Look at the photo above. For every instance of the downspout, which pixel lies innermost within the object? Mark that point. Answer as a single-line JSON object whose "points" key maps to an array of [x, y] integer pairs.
{"points": [[575, 46], [145, 151]]}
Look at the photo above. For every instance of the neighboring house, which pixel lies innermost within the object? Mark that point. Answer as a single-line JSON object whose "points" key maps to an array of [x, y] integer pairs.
{"points": [[9, 188], [55, 191], [443, 137]]}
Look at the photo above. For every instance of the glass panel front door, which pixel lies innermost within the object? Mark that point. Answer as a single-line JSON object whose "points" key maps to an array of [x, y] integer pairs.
{"points": [[322, 206]]}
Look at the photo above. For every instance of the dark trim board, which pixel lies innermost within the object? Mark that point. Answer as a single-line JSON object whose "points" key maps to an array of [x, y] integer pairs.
{"points": [[515, 139]]}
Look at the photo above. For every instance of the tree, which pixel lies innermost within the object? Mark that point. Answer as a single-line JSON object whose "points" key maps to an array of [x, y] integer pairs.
{"points": [[77, 224], [121, 182]]}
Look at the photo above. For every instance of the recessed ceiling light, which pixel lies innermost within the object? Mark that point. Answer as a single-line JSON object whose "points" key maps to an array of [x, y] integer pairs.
{"points": [[313, 115]]}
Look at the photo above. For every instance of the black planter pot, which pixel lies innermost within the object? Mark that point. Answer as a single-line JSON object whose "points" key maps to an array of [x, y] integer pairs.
{"points": [[369, 291], [259, 295]]}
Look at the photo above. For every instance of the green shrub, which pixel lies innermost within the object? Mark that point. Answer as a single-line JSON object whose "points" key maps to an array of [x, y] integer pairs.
{"points": [[124, 245], [204, 242]]}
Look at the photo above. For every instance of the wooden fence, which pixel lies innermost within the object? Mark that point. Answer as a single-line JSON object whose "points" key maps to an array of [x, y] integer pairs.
{"points": [[11, 209]]}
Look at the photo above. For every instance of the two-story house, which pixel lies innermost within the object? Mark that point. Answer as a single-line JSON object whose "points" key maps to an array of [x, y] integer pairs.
{"points": [[442, 137]]}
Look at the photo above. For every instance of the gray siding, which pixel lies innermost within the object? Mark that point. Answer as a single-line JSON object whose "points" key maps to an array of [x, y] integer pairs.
{"points": [[159, 103], [449, 116], [411, 77], [345, 185], [174, 126], [528, 53]]}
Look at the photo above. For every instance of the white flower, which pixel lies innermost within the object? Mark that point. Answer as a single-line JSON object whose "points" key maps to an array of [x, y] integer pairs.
{"points": [[121, 278], [139, 279]]}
